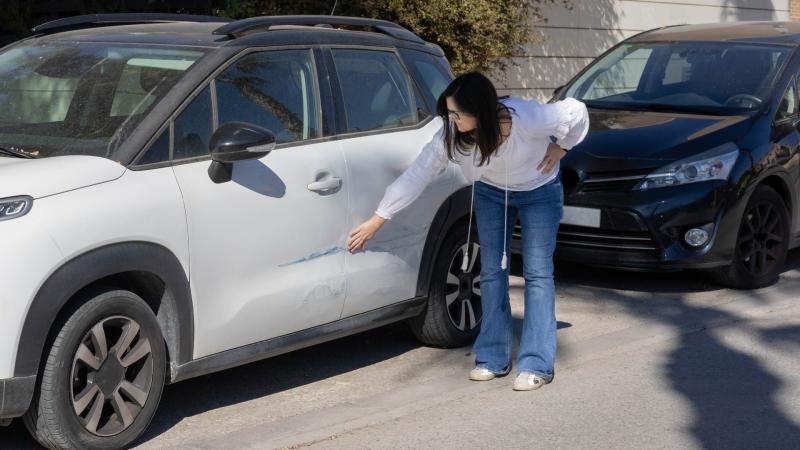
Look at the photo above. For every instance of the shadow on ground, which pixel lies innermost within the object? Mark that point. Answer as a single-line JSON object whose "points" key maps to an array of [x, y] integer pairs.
{"points": [[732, 394]]}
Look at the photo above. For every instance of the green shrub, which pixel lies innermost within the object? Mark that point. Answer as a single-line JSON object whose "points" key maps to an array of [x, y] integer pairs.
{"points": [[474, 34]]}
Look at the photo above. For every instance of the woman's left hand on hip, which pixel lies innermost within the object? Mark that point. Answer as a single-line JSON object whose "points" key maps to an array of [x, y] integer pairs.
{"points": [[552, 156]]}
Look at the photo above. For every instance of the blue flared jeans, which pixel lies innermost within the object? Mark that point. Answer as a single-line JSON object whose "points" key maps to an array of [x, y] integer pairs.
{"points": [[539, 211]]}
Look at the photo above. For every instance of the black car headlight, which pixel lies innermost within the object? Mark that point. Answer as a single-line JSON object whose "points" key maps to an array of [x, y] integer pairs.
{"points": [[714, 164], [13, 207]]}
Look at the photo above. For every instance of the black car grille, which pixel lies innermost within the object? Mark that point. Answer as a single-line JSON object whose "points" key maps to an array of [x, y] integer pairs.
{"points": [[609, 185], [626, 241], [593, 238], [610, 182]]}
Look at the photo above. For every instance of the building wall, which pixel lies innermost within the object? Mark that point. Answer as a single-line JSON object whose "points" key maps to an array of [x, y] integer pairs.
{"points": [[570, 39]]}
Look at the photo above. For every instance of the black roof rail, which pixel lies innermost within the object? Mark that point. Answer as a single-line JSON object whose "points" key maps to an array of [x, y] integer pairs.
{"points": [[104, 20], [242, 27]]}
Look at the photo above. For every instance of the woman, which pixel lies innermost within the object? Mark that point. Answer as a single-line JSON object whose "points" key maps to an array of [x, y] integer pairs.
{"points": [[510, 149]]}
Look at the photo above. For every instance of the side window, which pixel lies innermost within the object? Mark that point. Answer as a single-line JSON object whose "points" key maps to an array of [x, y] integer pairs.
{"points": [[377, 91], [788, 106], [158, 152], [273, 89], [193, 128], [431, 74]]}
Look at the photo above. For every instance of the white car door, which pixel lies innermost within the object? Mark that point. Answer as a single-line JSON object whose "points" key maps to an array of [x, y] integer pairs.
{"points": [[266, 248], [384, 135]]}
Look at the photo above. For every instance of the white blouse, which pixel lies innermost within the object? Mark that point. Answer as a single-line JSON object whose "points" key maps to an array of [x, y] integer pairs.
{"points": [[513, 167]]}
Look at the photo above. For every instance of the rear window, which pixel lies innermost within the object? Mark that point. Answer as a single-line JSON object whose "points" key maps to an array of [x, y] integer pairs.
{"points": [[377, 91]]}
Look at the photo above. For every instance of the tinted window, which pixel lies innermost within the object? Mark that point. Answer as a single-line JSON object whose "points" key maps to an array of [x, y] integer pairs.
{"points": [[193, 128], [431, 74], [159, 151], [276, 90], [376, 89]]}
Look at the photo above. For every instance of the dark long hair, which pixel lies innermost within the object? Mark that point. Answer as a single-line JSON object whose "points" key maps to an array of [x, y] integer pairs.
{"points": [[476, 95]]}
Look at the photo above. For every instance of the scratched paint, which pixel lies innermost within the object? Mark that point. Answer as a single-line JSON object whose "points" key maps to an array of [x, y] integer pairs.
{"points": [[315, 255]]}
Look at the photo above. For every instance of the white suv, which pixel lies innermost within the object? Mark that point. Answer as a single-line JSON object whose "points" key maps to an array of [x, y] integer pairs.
{"points": [[175, 198]]}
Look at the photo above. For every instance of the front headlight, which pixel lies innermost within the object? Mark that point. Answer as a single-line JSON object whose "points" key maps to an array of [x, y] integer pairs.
{"points": [[13, 207], [715, 164]]}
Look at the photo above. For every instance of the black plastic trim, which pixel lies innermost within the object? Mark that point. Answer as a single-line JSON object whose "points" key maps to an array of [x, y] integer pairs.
{"points": [[452, 210], [15, 396], [95, 265], [301, 339]]}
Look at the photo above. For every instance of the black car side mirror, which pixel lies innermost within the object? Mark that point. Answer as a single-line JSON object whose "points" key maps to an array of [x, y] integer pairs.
{"points": [[237, 141]]}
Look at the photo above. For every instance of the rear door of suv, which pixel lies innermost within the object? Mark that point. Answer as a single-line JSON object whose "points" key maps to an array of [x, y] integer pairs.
{"points": [[384, 123]]}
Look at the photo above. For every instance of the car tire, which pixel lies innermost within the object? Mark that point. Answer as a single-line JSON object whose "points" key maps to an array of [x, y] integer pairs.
{"points": [[761, 245], [103, 375], [453, 314]]}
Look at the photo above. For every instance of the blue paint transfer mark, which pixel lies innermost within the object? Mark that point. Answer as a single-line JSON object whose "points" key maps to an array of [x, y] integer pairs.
{"points": [[312, 256]]}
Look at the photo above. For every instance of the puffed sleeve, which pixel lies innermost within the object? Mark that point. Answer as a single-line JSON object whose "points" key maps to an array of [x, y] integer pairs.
{"points": [[410, 184], [567, 120]]}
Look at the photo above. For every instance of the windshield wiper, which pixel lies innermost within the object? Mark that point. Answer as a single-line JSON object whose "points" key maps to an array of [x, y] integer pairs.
{"points": [[604, 105], [696, 109], [645, 106], [11, 151]]}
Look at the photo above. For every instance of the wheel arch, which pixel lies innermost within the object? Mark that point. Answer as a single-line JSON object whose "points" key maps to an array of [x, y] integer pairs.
{"points": [[147, 269], [452, 212]]}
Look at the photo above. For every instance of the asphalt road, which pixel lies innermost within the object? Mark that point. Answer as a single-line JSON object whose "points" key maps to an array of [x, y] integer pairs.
{"points": [[646, 361]]}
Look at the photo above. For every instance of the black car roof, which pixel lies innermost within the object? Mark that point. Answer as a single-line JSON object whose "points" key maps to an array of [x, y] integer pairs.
{"points": [[756, 32], [201, 34]]}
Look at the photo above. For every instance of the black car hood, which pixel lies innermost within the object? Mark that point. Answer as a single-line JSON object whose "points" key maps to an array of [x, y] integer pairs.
{"points": [[637, 140]]}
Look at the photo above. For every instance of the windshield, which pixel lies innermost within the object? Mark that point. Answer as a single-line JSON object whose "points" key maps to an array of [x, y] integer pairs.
{"points": [[82, 98], [701, 77]]}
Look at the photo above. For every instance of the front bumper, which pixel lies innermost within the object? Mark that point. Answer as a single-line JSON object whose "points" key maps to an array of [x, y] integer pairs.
{"points": [[644, 229], [16, 395]]}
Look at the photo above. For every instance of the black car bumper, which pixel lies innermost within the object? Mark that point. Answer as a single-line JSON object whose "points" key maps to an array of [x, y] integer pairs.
{"points": [[15, 396], [645, 229]]}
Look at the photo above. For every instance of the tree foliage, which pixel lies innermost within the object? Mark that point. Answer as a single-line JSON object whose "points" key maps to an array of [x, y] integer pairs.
{"points": [[474, 34]]}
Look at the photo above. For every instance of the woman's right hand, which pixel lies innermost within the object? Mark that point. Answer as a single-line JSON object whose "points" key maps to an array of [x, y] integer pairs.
{"points": [[361, 234]]}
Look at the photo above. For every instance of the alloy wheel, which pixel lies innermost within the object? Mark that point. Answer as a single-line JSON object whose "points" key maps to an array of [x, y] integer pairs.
{"points": [[761, 238], [463, 292], [112, 375]]}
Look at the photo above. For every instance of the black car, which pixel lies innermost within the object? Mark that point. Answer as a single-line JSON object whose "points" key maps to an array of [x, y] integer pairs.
{"points": [[692, 156]]}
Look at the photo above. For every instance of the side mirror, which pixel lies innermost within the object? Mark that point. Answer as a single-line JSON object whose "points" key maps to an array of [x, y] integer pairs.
{"points": [[237, 141]]}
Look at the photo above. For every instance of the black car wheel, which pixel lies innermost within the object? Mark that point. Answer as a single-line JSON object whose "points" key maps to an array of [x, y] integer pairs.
{"points": [[103, 377], [453, 314], [762, 243]]}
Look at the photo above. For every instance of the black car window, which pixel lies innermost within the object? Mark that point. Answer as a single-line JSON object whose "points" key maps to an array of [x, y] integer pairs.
{"points": [[432, 75], [788, 105], [158, 152], [376, 89], [193, 128], [273, 89]]}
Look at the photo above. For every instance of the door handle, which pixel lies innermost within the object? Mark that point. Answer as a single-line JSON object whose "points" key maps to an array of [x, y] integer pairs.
{"points": [[325, 185]]}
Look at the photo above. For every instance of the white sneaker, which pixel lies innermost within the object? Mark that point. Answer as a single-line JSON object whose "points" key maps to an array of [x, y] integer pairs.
{"points": [[527, 381], [484, 374], [481, 374]]}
